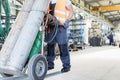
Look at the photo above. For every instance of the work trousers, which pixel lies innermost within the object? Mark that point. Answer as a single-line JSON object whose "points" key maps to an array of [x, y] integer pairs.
{"points": [[64, 55]]}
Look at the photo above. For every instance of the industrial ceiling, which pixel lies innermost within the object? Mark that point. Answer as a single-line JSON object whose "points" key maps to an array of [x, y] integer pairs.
{"points": [[112, 15]]}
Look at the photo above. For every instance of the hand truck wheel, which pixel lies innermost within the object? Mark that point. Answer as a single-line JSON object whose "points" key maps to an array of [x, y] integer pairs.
{"points": [[37, 67]]}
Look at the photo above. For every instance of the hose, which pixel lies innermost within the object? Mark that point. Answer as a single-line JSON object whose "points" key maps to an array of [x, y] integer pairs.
{"points": [[49, 38]]}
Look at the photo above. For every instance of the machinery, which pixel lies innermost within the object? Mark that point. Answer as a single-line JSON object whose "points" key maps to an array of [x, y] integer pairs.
{"points": [[19, 55], [4, 31]]}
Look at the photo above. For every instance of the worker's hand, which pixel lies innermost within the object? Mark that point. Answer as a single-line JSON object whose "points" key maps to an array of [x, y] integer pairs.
{"points": [[66, 24], [49, 19]]}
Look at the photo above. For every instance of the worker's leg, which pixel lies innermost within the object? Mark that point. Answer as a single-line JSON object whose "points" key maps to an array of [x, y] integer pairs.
{"points": [[51, 56], [62, 41], [65, 57], [110, 42]]}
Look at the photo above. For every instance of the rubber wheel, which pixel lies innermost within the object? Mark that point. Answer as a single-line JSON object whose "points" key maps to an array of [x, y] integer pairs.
{"points": [[37, 67]]}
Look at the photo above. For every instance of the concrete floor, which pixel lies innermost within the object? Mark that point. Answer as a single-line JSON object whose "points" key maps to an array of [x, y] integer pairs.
{"points": [[93, 63]]}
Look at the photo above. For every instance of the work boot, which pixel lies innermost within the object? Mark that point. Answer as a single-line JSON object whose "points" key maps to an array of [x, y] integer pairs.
{"points": [[50, 68], [65, 70]]}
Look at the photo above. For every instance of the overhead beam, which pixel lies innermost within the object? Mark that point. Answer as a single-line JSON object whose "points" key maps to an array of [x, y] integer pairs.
{"points": [[111, 14], [108, 11], [119, 12], [115, 19], [93, 1], [117, 4], [106, 8]]}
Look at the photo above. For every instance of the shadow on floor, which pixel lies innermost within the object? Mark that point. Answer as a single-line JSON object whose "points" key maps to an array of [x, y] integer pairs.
{"points": [[53, 74]]}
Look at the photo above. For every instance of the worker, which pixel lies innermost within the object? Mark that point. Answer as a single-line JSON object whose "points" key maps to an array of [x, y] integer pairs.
{"points": [[63, 11], [111, 39]]}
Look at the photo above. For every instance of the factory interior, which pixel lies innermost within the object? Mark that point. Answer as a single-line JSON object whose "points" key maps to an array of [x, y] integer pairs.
{"points": [[93, 40]]}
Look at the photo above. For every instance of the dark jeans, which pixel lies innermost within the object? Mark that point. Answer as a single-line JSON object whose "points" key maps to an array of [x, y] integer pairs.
{"points": [[64, 55]]}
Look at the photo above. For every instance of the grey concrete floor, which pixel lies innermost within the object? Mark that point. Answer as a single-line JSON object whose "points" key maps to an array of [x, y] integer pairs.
{"points": [[93, 63]]}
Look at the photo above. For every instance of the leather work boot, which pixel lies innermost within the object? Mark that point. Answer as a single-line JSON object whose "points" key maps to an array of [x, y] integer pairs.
{"points": [[50, 68], [65, 70]]}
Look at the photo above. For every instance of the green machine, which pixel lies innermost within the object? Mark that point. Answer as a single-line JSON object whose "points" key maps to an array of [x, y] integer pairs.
{"points": [[4, 29]]}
